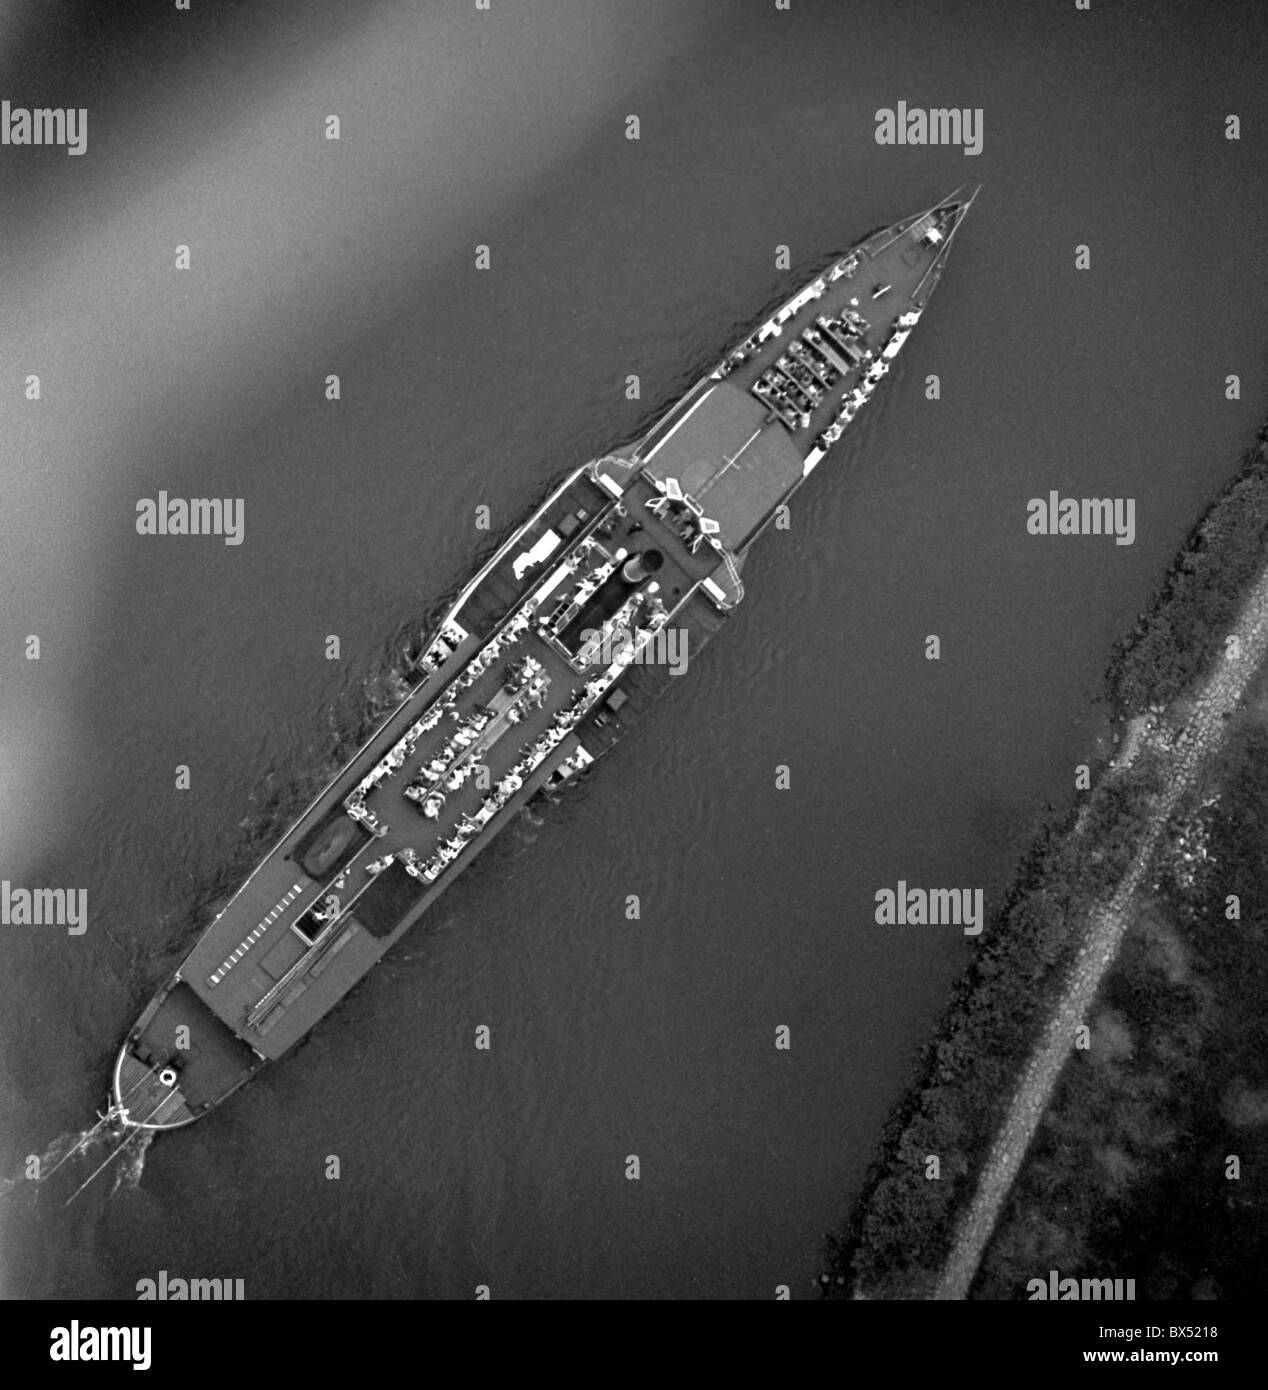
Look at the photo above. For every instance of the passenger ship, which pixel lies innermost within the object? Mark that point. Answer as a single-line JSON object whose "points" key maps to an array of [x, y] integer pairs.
{"points": [[536, 670]]}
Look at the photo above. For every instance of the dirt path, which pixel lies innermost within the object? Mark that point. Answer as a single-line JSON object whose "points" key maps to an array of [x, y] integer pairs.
{"points": [[1198, 740]]}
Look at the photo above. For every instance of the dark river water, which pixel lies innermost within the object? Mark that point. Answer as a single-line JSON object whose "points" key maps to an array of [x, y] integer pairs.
{"points": [[463, 388]]}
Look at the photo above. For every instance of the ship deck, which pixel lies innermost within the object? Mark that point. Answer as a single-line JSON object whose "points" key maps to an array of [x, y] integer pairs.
{"points": [[180, 1062], [377, 847], [264, 949], [729, 458], [738, 445]]}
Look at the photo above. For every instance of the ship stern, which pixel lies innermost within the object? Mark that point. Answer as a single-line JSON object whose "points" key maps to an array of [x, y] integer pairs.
{"points": [[178, 1062]]}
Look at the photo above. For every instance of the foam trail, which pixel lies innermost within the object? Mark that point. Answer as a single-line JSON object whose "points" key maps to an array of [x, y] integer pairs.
{"points": [[55, 1155], [128, 1175]]}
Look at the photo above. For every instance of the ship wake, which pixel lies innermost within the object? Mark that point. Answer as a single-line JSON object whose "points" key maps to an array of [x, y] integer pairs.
{"points": [[38, 1168], [110, 1133]]}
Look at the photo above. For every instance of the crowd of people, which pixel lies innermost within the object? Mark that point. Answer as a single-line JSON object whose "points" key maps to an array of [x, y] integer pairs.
{"points": [[455, 763]]}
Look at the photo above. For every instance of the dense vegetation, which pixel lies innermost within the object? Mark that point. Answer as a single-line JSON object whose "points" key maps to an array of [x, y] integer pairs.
{"points": [[1159, 1076], [902, 1226], [1128, 1177], [1182, 637]]}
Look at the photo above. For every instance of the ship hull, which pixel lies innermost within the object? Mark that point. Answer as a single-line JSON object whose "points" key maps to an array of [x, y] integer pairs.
{"points": [[545, 659]]}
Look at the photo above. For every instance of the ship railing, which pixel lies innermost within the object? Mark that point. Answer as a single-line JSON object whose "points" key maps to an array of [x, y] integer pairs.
{"points": [[733, 574]]}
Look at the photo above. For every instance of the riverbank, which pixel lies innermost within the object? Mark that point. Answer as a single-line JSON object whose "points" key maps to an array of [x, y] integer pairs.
{"points": [[1152, 1159], [985, 1080]]}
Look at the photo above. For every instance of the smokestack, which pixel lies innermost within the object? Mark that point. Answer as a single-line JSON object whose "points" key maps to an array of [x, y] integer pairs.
{"points": [[641, 565]]}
